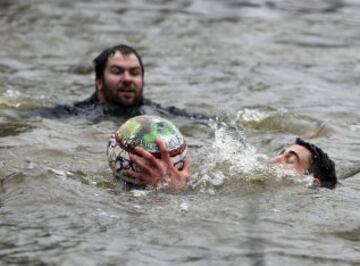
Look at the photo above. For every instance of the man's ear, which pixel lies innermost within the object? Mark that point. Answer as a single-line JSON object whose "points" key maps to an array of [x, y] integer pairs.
{"points": [[316, 182], [99, 88]]}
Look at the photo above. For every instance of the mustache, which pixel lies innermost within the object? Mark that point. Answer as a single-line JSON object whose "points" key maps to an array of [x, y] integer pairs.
{"points": [[126, 89]]}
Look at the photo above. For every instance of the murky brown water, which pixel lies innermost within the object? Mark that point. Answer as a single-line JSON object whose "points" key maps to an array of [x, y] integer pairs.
{"points": [[267, 70]]}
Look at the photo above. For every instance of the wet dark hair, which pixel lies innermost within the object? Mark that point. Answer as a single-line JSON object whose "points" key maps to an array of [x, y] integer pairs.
{"points": [[101, 60], [322, 167]]}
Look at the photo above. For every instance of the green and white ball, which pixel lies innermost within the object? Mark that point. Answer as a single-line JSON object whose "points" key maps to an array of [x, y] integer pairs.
{"points": [[142, 131]]}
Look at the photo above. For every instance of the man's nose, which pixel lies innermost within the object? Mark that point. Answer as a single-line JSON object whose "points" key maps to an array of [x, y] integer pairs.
{"points": [[277, 159], [127, 77]]}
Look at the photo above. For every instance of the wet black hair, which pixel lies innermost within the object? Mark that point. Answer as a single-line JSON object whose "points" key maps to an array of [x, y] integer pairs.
{"points": [[101, 60], [322, 167]]}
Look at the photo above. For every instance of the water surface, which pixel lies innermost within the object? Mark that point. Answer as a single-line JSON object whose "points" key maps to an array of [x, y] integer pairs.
{"points": [[267, 71]]}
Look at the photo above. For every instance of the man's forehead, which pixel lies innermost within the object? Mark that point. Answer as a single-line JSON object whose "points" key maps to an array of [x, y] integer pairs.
{"points": [[119, 57], [303, 152]]}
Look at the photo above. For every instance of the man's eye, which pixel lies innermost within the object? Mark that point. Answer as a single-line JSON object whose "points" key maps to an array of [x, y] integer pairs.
{"points": [[116, 71], [135, 72], [291, 160]]}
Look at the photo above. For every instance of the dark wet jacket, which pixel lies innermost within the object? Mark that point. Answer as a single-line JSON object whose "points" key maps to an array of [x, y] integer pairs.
{"points": [[92, 108]]}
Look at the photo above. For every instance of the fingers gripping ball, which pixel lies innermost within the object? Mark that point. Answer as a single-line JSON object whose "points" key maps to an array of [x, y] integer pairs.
{"points": [[142, 131]]}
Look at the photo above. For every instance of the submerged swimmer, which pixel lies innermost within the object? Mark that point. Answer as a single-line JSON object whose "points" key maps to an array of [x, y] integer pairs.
{"points": [[306, 158], [301, 157]]}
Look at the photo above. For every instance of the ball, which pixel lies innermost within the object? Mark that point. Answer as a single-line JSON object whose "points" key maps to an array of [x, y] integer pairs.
{"points": [[142, 131]]}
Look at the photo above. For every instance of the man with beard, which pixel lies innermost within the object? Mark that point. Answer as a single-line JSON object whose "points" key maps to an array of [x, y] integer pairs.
{"points": [[119, 83], [301, 157], [119, 77]]}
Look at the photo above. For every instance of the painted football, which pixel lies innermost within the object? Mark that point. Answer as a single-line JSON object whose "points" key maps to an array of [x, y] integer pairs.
{"points": [[142, 131]]}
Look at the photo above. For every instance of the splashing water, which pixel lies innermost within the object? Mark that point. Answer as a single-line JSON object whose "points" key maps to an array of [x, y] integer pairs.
{"points": [[232, 159]]}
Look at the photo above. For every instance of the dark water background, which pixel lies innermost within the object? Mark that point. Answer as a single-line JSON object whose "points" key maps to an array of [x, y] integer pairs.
{"points": [[267, 70]]}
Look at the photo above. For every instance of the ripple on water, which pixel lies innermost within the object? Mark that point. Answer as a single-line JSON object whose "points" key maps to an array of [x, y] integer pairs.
{"points": [[14, 128], [279, 120]]}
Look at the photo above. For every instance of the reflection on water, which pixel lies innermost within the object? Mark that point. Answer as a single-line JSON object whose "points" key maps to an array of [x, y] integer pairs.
{"points": [[265, 71]]}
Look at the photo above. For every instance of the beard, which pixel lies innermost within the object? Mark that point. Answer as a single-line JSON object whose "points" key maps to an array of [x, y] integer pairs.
{"points": [[126, 95]]}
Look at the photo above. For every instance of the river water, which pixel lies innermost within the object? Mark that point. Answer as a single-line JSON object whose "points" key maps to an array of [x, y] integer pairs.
{"points": [[265, 70]]}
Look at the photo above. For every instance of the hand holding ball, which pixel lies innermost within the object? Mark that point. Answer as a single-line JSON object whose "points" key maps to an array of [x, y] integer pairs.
{"points": [[160, 152]]}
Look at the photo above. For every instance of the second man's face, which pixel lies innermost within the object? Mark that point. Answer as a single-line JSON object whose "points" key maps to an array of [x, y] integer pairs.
{"points": [[123, 82], [295, 157]]}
